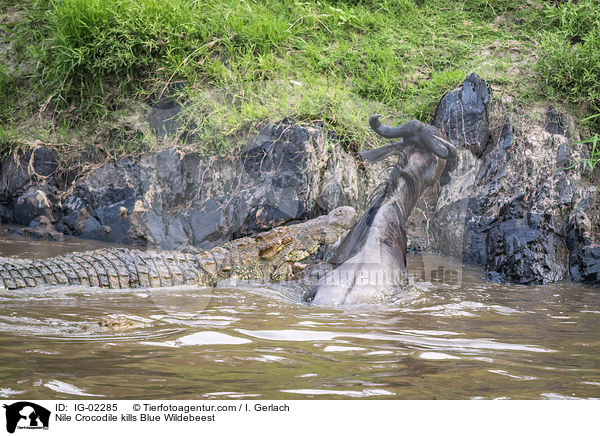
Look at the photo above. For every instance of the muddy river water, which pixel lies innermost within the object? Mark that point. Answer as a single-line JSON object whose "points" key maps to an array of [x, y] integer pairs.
{"points": [[256, 341]]}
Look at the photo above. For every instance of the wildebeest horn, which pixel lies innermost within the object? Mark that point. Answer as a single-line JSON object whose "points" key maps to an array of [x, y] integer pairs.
{"points": [[414, 133], [449, 146], [387, 131], [435, 144]]}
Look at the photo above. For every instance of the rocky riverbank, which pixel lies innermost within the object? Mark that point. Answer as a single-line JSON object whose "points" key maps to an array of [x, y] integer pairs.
{"points": [[171, 199], [511, 205]]}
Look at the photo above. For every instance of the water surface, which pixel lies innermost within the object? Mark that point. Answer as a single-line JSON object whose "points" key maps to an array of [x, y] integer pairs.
{"points": [[478, 340]]}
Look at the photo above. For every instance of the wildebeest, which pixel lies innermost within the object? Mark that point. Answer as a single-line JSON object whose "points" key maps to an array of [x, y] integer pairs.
{"points": [[371, 260]]}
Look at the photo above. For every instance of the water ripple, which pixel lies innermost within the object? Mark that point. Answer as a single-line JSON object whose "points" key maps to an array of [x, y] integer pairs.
{"points": [[436, 342], [200, 338], [67, 388], [353, 394]]}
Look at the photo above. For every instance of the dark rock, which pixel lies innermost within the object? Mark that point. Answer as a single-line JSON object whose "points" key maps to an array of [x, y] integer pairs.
{"points": [[477, 250], [27, 186], [278, 147], [585, 265], [5, 214], [169, 173], [207, 224], [104, 199], [29, 205], [555, 122], [346, 181], [463, 115], [518, 253], [565, 189], [114, 224], [563, 156], [506, 136], [167, 117], [42, 228], [584, 250], [171, 199], [280, 179], [165, 120], [510, 209], [111, 184], [164, 116], [18, 172]]}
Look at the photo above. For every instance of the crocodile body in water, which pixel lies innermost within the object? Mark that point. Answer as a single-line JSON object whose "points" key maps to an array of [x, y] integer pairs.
{"points": [[274, 256]]}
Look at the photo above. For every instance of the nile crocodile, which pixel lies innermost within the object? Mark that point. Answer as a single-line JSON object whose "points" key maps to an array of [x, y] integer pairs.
{"points": [[274, 256]]}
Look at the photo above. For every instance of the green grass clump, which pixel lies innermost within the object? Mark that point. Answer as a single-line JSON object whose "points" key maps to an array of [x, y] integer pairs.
{"points": [[590, 162], [242, 61], [570, 52], [94, 46], [97, 49], [570, 64]]}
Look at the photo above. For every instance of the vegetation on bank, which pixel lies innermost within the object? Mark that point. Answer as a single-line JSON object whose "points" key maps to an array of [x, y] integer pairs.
{"points": [[569, 62], [81, 75]]}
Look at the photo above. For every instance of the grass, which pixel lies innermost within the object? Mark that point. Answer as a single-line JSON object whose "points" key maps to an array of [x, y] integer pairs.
{"points": [[589, 163], [569, 63], [570, 51], [81, 73]]}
